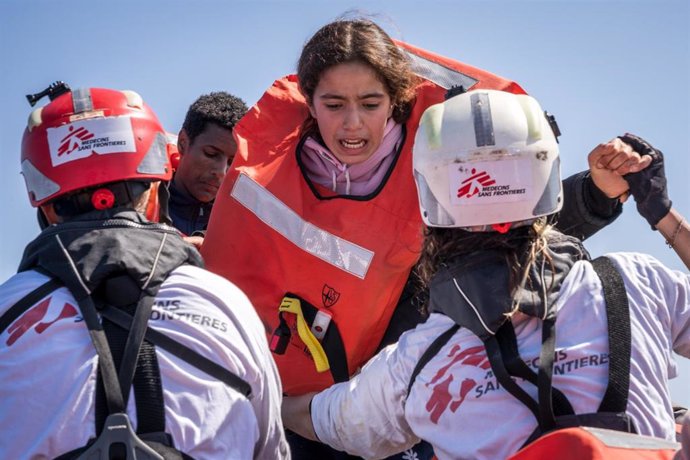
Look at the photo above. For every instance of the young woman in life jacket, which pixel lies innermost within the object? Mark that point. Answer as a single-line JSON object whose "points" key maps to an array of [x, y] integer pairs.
{"points": [[491, 259], [317, 220]]}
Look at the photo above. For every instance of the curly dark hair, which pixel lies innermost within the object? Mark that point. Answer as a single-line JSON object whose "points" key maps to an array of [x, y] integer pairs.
{"points": [[519, 247], [220, 108], [358, 40]]}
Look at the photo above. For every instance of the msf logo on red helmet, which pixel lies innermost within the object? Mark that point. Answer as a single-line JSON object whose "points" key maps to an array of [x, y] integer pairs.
{"points": [[99, 136], [73, 140]]}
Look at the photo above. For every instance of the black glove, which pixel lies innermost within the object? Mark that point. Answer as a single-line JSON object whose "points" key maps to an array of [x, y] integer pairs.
{"points": [[648, 186]]}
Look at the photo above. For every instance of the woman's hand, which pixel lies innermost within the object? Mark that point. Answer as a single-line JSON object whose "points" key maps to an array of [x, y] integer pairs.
{"points": [[609, 162]]}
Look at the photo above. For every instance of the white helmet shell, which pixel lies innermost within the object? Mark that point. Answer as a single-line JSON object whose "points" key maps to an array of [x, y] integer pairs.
{"points": [[486, 158]]}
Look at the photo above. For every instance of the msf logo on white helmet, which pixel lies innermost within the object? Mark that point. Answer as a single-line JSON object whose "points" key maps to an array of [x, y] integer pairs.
{"points": [[486, 158]]}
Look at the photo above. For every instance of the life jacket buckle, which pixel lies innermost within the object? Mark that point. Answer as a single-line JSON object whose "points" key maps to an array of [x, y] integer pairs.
{"points": [[292, 304], [281, 337]]}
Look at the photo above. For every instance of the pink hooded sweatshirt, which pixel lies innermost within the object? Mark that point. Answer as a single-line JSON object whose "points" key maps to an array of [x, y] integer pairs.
{"points": [[359, 179]]}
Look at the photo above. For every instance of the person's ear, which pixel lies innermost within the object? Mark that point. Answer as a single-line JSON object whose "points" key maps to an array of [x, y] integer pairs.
{"points": [[182, 141], [312, 112]]}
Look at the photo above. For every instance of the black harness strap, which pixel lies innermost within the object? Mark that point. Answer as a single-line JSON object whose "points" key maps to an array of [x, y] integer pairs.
{"points": [[146, 382], [508, 356], [106, 364], [493, 352], [148, 392], [517, 368], [116, 342], [611, 411], [618, 317], [135, 338], [186, 354], [553, 409], [116, 400], [430, 352], [547, 420]]}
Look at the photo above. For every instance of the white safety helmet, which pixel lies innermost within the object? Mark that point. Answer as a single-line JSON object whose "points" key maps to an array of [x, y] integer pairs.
{"points": [[486, 160]]}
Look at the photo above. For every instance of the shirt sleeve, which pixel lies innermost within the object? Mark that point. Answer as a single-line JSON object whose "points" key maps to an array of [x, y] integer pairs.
{"points": [[260, 371], [677, 292], [652, 282], [274, 444], [267, 391], [366, 415]]}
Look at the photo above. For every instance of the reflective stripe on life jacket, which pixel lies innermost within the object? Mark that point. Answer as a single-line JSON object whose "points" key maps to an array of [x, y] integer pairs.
{"points": [[347, 256]]}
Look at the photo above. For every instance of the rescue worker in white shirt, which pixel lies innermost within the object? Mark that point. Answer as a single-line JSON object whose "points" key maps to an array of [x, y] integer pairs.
{"points": [[80, 363], [493, 265], [206, 149]]}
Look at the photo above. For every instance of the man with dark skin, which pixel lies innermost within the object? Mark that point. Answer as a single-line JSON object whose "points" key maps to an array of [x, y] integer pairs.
{"points": [[206, 148]]}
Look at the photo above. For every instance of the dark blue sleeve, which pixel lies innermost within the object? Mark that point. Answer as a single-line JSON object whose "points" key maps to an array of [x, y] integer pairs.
{"points": [[586, 209]]}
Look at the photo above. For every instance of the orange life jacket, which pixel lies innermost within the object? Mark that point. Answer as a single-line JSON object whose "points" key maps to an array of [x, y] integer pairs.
{"points": [[346, 258], [582, 443]]}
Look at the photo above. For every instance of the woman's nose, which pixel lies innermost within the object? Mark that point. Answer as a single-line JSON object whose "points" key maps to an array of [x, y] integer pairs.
{"points": [[353, 119]]}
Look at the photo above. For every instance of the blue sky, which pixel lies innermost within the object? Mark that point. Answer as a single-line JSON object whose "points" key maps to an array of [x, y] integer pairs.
{"points": [[602, 67]]}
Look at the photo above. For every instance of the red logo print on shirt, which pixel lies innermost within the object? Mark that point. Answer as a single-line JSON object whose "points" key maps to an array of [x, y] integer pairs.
{"points": [[73, 140], [441, 397], [475, 183], [34, 317]]}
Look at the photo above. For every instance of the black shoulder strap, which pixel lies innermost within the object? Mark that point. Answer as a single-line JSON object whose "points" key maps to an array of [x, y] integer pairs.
{"points": [[493, 353], [545, 389], [124, 320], [186, 354], [611, 413], [502, 349], [430, 352], [517, 368], [615, 399], [618, 318], [115, 382], [29, 300], [144, 377]]}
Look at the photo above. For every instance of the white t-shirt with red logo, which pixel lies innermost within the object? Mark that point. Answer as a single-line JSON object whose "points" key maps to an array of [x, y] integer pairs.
{"points": [[48, 372], [456, 403]]}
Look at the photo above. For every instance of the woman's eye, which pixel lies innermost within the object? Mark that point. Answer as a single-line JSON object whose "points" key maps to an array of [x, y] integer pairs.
{"points": [[372, 106], [333, 106]]}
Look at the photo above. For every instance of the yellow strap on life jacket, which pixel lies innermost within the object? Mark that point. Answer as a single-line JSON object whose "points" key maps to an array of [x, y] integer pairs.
{"points": [[292, 305]]}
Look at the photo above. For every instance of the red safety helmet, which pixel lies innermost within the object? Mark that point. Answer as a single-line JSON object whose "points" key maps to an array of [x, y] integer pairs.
{"points": [[90, 137]]}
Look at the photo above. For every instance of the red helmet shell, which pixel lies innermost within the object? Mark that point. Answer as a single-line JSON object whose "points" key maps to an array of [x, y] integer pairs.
{"points": [[91, 137]]}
